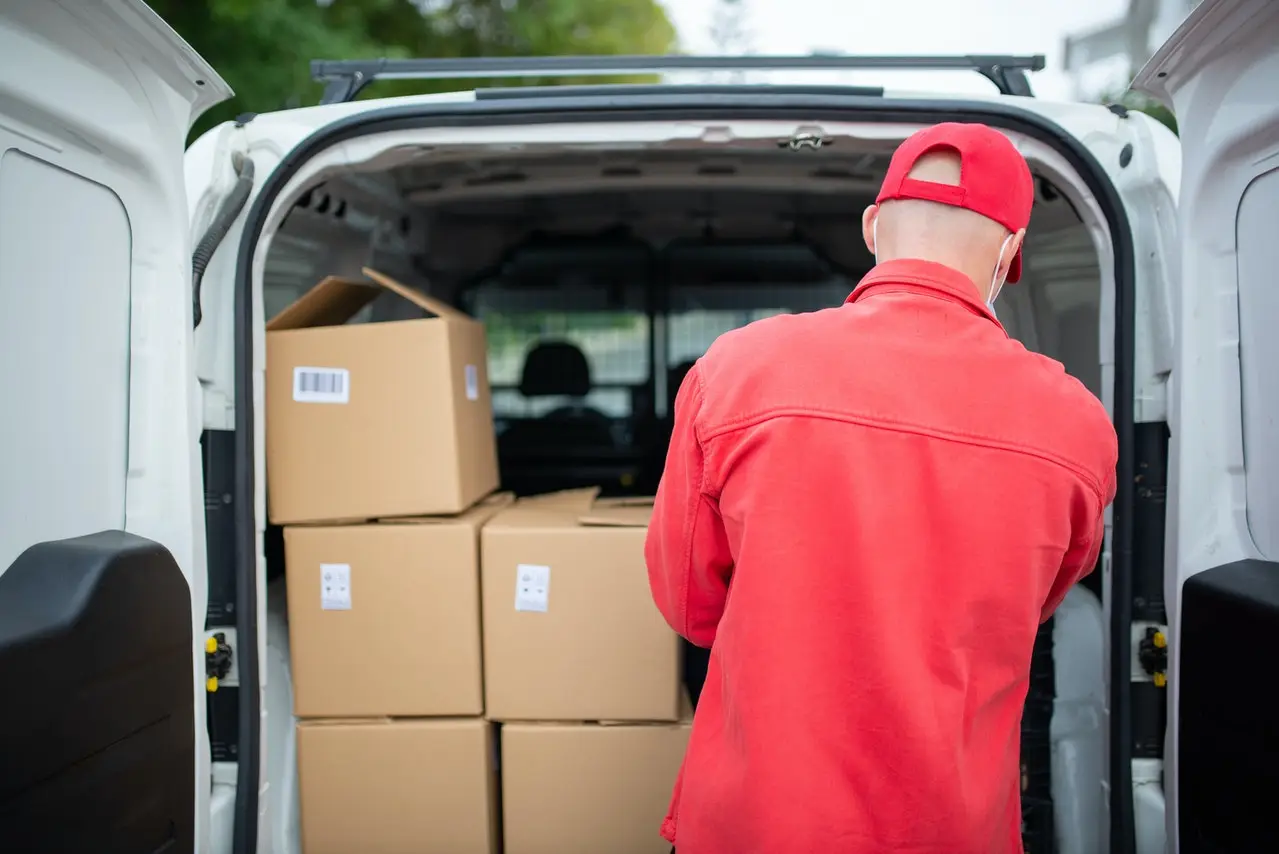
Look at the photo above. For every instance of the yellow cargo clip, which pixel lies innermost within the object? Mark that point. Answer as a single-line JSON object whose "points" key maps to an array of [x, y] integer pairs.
{"points": [[210, 645], [1159, 640], [1161, 679], [211, 684]]}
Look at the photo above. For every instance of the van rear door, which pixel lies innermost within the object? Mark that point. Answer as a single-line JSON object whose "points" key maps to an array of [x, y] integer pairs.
{"points": [[101, 525], [1218, 73]]}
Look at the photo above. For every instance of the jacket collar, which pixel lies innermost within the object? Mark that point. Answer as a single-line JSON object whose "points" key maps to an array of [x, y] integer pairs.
{"points": [[913, 276]]}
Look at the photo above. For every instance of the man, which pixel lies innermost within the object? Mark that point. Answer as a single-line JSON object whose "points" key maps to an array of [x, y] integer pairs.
{"points": [[866, 514]]}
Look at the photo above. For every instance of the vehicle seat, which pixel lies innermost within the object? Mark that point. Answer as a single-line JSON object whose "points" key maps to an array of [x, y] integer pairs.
{"points": [[551, 443], [674, 379], [560, 369], [696, 659]]}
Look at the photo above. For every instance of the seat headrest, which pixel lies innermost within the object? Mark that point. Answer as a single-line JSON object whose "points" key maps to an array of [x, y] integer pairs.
{"points": [[555, 369], [675, 378]]}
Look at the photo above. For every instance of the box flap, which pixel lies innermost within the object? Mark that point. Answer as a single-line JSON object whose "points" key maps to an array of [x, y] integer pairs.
{"points": [[336, 300], [332, 302], [578, 500], [439, 308], [572, 508], [619, 513], [476, 515], [617, 517], [628, 501]]}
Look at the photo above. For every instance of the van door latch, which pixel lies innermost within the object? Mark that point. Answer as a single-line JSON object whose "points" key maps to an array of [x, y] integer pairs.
{"points": [[217, 660], [804, 139], [1152, 653]]}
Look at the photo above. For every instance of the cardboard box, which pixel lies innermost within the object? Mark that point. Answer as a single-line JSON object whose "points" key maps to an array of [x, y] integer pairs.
{"points": [[570, 629], [588, 787], [384, 618], [375, 419], [398, 787]]}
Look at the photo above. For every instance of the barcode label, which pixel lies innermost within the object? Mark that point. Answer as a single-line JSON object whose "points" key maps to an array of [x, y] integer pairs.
{"points": [[321, 385], [472, 376]]}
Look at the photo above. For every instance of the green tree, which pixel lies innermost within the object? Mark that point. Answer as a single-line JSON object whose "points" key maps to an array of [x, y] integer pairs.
{"points": [[1142, 104], [263, 48]]}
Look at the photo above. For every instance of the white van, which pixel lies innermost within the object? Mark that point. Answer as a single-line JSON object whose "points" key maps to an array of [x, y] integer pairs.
{"points": [[143, 651]]}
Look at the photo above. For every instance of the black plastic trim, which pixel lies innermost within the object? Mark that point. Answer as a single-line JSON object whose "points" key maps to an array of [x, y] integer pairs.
{"points": [[217, 453], [1149, 720], [345, 78], [1227, 739], [223, 710], [244, 509], [1150, 505], [97, 724], [622, 91], [708, 107]]}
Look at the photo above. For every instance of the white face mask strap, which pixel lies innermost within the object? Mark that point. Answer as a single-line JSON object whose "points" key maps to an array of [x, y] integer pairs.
{"points": [[995, 283], [874, 236]]}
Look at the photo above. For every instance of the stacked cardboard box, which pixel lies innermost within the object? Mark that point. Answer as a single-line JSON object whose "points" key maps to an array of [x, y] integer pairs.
{"points": [[380, 458], [375, 420], [424, 611], [584, 675]]}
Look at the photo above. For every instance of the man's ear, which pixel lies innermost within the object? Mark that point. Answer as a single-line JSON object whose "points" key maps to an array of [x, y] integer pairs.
{"points": [[1011, 253], [868, 229]]}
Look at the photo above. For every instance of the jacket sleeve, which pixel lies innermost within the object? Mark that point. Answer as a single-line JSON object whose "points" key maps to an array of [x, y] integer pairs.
{"points": [[1080, 560], [689, 563], [1088, 531]]}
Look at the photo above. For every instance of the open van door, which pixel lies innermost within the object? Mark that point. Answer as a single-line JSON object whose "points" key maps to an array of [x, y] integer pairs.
{"points": [[1218, 72], [102, 744]]}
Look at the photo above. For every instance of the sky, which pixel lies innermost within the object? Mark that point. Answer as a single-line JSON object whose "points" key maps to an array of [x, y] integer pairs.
{"points": [[913, 26]]}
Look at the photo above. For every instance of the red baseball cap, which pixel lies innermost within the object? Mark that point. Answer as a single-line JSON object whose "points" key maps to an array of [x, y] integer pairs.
{"points": [[994, 179]]}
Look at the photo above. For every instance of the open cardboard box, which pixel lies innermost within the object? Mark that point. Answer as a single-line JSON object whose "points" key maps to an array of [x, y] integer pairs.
{"points": [[375, 419]]}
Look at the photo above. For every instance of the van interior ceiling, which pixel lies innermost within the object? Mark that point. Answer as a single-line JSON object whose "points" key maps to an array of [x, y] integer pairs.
{"points": [[602, 273]]}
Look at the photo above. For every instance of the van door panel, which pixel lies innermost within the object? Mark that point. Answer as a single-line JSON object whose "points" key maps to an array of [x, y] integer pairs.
{"points": [[102, 744], [95, 730], [1228, 740], [1217, 72]]}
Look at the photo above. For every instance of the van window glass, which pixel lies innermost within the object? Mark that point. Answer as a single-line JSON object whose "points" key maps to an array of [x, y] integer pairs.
{"points": [[609, 325], [701, 313]]}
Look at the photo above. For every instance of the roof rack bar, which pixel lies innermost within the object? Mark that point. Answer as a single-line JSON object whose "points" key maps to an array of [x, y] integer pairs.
{"points": [[344, 79]]}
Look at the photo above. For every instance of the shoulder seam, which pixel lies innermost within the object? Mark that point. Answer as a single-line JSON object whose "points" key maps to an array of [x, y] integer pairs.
{"points": [[883, 423]]}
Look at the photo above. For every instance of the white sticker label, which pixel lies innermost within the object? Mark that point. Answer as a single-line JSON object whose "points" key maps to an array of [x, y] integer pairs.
{"points": [[532, 587], [472, 382], [321, 385], [335, 586]]}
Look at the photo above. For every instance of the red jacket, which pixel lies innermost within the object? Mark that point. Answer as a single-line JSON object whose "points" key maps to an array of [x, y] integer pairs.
{"points": [[866, 514]]}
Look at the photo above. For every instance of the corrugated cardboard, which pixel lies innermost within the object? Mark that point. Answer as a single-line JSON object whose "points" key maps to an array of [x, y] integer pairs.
{"points": [[401, 637], [593, 646], [407, 430], [398, 787], [588, 787]]}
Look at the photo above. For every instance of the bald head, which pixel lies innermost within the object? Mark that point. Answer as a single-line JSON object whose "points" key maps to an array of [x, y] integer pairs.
{"points": [[931, 231]]}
